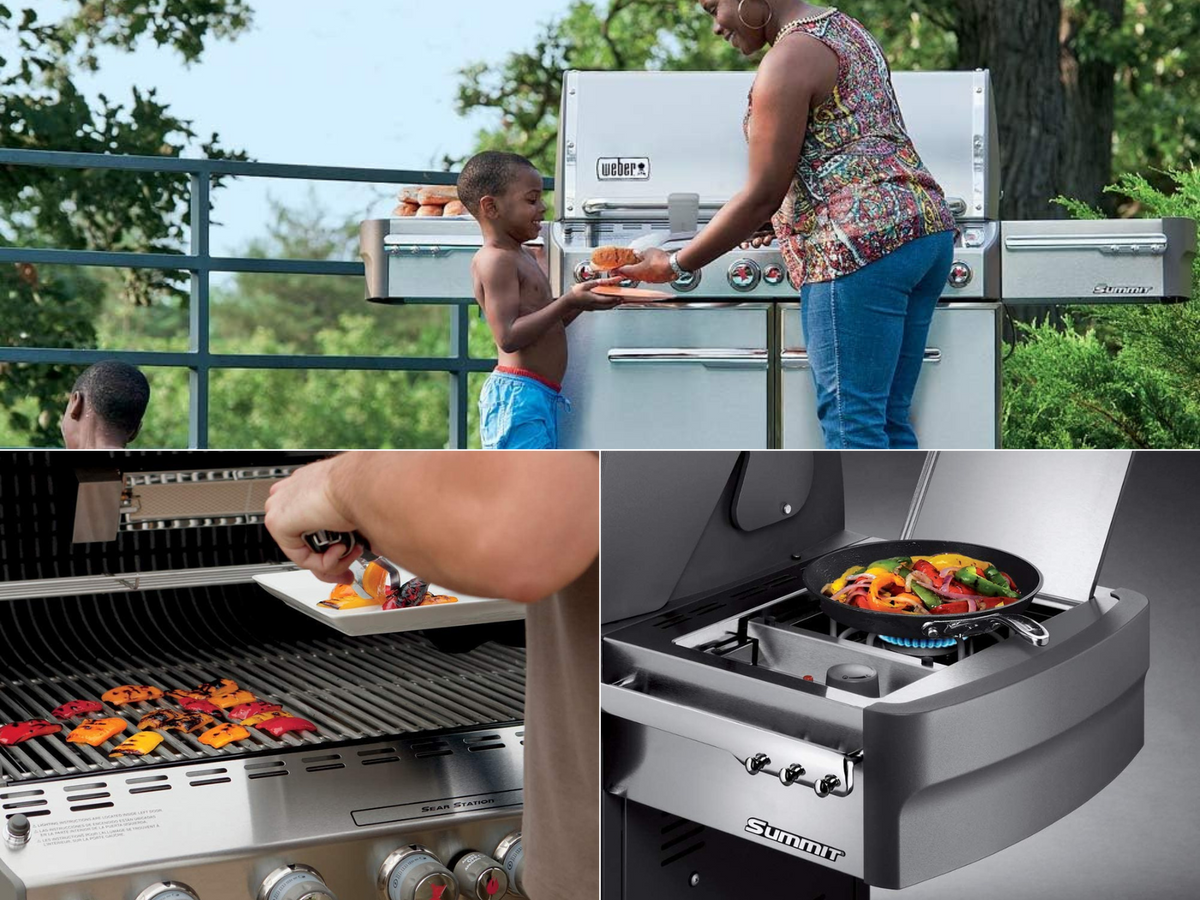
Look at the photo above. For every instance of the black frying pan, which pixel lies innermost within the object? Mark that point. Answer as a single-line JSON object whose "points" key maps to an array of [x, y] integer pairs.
{"points": [[1024, 574]]}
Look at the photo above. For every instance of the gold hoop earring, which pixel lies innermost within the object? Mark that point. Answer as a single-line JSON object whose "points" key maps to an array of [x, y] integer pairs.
{"points": [[765, 23]]}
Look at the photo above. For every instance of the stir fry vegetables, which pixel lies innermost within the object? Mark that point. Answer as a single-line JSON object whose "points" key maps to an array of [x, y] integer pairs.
{"points": [[942, 584]]}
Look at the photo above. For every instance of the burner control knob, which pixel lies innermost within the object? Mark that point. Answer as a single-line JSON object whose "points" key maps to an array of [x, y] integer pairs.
{"points": [[585, 272], [16, 830], [295, 882], [415, 873], [168, 890], [774, 274], [960, 274], [628, 283], [689, 282], [510, 853], [744, 275], [481, 877]]}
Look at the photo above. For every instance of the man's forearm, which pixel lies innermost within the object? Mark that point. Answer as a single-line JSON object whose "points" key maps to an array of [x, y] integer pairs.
{"points": [[514, 525]]}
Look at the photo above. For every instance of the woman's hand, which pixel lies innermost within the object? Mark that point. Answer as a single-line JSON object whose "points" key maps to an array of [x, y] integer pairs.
{"points": [[654, 268], [764, 237]]}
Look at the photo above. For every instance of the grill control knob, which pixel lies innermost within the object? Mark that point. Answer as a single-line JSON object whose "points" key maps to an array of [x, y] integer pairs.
{"points": [[481, 877], [757, 763], [295, 882], [774, 274], [168, 890], [744, 275], [689, 282], [960, 274], [585, 272], [628, 283], [510, 853], [415, 873]]}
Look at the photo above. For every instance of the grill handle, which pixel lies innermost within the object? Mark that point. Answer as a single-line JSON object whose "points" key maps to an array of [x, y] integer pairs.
{"points": [[710, 358], [798, 359], [595, 205], [1108, 244], [757, 750]]}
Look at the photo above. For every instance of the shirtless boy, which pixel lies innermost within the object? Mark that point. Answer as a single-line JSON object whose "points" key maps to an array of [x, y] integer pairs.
{"points": [[520, 402]]}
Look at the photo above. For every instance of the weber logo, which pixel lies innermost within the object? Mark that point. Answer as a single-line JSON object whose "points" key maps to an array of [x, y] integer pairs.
{"points": [[624, 168], [796, 842], [1121, 290]]}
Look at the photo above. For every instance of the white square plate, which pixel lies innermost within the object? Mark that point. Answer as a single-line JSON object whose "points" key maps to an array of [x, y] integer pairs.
{"points": [[302, 590]]}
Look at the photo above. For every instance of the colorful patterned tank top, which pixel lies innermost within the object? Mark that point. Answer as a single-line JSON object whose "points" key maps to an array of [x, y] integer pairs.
{"points": [[860, 190]]}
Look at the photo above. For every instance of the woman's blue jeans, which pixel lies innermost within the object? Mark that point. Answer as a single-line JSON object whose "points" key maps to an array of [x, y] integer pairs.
{"points": [[865, 334]]}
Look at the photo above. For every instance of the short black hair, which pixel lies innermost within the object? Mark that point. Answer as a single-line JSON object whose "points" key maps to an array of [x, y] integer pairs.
{"points": [[488, 173], [118, 392]]}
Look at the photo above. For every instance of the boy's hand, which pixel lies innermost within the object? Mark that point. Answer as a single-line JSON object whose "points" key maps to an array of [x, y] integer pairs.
{"points": [[581, 297]]}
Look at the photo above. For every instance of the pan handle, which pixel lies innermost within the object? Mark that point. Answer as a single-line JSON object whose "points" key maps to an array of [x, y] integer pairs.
{"points": [[1022, 626], [791, 760]]}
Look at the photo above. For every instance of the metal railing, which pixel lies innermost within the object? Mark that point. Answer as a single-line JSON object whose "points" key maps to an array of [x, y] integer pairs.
{"points": [[199, 359]]}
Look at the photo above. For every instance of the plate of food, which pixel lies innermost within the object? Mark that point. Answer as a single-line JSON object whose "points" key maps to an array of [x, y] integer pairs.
{"points": [[385, 612], [612, 290]]}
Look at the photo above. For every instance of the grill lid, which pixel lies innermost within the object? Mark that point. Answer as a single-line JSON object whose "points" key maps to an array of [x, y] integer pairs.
{"points": [[1053, 508]]}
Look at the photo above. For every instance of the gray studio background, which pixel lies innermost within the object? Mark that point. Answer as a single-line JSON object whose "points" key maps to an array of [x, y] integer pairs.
{"points": [[1140, 836]]}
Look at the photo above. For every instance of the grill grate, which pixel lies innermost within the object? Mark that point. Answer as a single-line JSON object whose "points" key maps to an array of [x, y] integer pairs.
{"points": [[351, 688]]}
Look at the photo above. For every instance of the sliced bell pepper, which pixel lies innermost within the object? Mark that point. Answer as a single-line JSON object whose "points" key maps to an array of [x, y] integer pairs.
{"points": [[280, 727], [130, 693], [411, 593], [96, 731], [437, 599], [160, 718], [139, 744], [266, 716], [223, 734], [953, 608], [246, 710], [73, 709], [840, 582], [189, 723], [233, 698], [347, 599], [20, 732], [209, 688], [198, 704], [926, 569]]}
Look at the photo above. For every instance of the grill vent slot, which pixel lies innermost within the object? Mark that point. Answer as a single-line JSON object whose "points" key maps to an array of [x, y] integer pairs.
{"points": [[324, 763], [25, 804], [269, 769], [670, 620], [210, 781], [29, 814], [90, 786], [150, 789], [380, 759], [15, 795], [681, 838], [476, 748], [88, 806], [479, 738], [426, 749]]}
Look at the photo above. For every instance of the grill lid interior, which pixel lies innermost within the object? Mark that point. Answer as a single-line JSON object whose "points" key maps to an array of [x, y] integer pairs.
{"points": [[1054, 508]]}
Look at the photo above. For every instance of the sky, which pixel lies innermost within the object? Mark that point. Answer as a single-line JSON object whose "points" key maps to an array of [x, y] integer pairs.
{"points": [[357, 83]]}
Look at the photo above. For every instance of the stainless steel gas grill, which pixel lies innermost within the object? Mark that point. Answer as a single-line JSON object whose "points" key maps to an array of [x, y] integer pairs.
{"points": [[725, 365], [748, 737], [417, 757]]}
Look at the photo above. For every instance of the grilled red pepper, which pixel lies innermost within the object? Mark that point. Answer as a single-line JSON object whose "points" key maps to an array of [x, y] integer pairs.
{"points": [[280, 727], [73, 709], [246, 710], [926, 568], [954, 586], [198, 704], [20, 732]]}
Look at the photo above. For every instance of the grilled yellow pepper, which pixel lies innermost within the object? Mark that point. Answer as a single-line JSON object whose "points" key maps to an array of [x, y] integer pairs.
{"points": [[137, 744], [223, 734], [266, 717]]}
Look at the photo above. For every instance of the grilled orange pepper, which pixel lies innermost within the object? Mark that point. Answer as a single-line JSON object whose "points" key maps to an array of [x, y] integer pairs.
{"points": [[96, 731], [138, 744], [233, 698], [223, 734], [189, 723], [130, 693]]}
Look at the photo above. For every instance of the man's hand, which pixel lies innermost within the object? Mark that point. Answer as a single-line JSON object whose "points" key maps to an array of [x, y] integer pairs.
{"points": [[304, 503], [580, 296], [654, 268]]}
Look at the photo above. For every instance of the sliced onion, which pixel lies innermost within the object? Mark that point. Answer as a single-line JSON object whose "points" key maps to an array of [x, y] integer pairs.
{"points": [[843, 591], [948, 573], [972, 606]]}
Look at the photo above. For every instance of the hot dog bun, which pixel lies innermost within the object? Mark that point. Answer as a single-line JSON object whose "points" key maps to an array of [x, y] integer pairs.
{"points": [[406, 209], [608, 259], [437, 195], [429, 210], [456, 208]]}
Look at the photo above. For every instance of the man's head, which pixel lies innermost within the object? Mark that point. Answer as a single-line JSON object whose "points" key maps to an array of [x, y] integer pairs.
{"points": [[503, 191], [106, 407]]}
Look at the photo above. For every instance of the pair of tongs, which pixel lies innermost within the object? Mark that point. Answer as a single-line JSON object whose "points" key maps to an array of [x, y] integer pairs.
{"points": [[414, 590]]}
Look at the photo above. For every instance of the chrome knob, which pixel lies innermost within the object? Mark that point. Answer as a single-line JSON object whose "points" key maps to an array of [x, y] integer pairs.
{"points": [[295, 882], [789, 775], [510, 853], [168, 890], [757, 763], [744, 275], [415, 873], [826, 785], [585, 272], [774, 274], [960, 274], [688, 282], [628, 283], [16, 830], [481, 877]]}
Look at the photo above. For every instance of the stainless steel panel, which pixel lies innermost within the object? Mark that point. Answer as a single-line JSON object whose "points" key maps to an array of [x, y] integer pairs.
{"points": [[1098, 261], [655, 376], [961, 374], [1057, 508], [426, 258]]}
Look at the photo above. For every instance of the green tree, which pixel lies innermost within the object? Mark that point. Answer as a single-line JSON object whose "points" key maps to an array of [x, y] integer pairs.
{"points": [[41, 108], [1074, 78]]}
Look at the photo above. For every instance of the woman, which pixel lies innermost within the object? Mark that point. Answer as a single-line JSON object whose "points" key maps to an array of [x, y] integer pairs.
{"points": [[864, 229]]}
